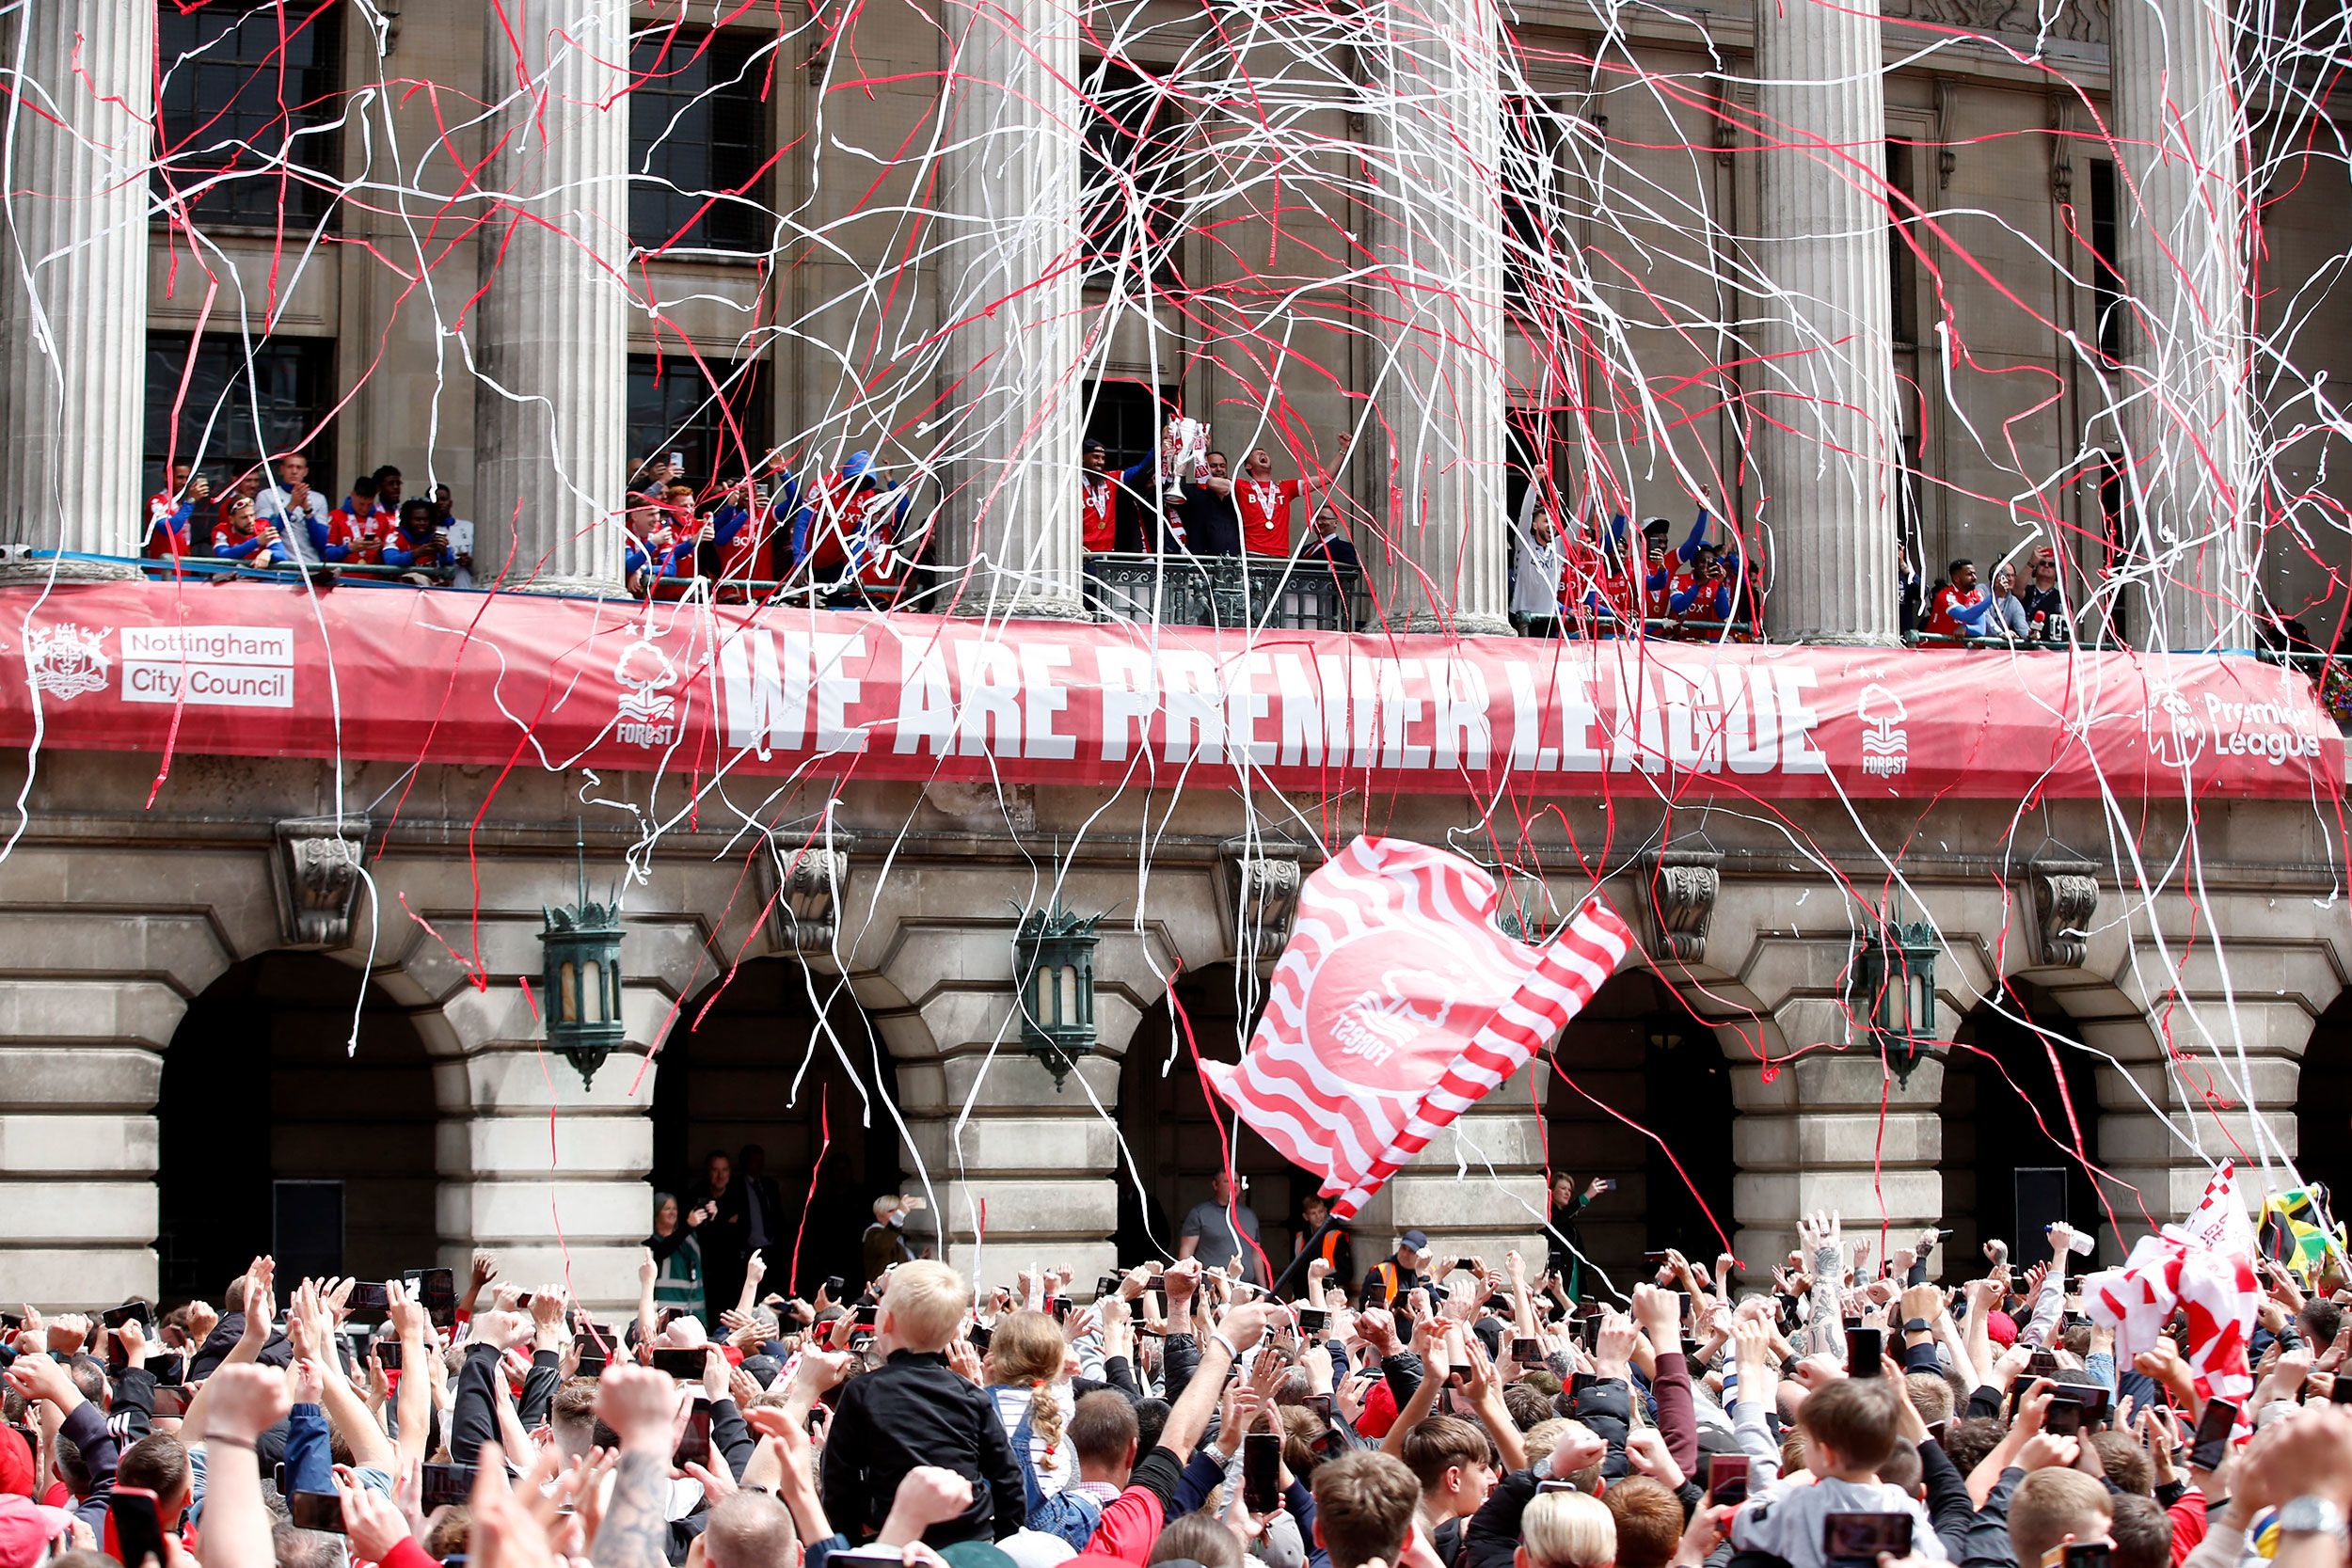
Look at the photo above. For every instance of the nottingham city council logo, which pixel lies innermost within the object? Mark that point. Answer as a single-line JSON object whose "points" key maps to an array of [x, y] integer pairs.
{"points": [[66, 661]]}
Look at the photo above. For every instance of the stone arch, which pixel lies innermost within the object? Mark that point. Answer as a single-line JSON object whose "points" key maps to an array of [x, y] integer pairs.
{"points": [[296, 1116], [1643, 1094]]}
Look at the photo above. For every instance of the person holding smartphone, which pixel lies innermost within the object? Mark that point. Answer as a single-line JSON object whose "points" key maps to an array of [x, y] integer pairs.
{"points": [[1850, 1427]]}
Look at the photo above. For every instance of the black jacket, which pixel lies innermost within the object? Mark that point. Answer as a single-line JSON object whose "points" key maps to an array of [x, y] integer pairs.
{"points": [[224, 1338], [914, 1409]]}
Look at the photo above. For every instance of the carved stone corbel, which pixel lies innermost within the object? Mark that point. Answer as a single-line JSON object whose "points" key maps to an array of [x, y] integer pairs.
{"points": [[2065, 896], [319, 860], [804, 910], [1676, 890], [1259, 883]]}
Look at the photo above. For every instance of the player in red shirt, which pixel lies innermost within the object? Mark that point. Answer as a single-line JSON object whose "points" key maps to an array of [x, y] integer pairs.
{"points": [[1098, 489], [1265, 504], [355, 529], [1959, 607]]}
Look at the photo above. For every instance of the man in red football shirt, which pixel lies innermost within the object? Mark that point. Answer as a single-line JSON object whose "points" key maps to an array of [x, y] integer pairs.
{"points": [[1265, 504], [1098, 497], [1959, 607]]}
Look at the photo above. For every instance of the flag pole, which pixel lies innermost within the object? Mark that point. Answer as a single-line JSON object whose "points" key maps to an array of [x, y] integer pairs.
{"points": [[1280, 1291]]}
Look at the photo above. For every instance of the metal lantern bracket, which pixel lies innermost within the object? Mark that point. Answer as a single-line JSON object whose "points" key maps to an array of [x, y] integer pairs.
{"points": [[581, 977], [1895, 986], [1053, 971]]}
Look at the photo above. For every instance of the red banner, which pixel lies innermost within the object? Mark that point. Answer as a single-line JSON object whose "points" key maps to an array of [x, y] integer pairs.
{"points": [[244, 669]]}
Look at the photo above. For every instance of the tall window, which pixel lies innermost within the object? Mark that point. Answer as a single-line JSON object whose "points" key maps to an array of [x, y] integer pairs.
{"points": [[249, 107], [1901, 260], [720, 430], [1527, 204], [1126, 416], [1130, 173], [696, 141], [2107, 284], [237, 411]]}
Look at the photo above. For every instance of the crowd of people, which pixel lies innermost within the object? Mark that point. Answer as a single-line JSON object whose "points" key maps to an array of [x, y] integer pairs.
{"points": [[1569, 584], [1443, 1412], [290, 524]]}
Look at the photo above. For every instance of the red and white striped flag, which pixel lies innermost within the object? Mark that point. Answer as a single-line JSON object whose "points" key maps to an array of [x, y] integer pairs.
{"points": [[1396, 1006], [2203, 1267]]}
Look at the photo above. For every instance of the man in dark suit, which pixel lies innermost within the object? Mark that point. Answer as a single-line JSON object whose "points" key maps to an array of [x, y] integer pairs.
{"points": [[721, 1235], [765, 1227]]}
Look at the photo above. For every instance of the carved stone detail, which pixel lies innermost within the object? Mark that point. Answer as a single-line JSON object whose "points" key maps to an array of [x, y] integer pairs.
{"points": [[803, 914], [319, 861], [2065, 896], [2069, 21], [1260, 885], [1677, 892]]}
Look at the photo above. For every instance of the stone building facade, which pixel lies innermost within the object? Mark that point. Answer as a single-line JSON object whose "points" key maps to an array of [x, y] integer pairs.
{"points": [[183, 963]]}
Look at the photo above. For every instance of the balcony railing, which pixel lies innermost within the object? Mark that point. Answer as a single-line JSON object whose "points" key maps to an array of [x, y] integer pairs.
{"points": [[1260, 595]]}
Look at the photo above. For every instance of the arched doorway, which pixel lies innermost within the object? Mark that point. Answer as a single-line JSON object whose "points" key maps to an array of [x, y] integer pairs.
{"points": [[1173, 1149], [2323, 1105], [778, 1057], [2021, 1130], [1642, 1096], [273, 1138]]}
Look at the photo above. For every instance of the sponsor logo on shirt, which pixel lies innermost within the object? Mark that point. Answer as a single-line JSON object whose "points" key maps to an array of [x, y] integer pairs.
{"points": [[209, 666]]}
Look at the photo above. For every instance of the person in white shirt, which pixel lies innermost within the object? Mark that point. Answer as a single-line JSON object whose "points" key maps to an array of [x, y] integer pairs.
{"points": [[1541, 556], [457, 535], [294, 508]]}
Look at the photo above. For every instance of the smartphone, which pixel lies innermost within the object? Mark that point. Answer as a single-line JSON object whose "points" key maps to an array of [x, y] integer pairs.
{"points": [[2088, 1554], [862, 1323], [693, 1443], [2096, 1407], [134, 1530], [1313, 1320], [388, 1354], [2042, 1363], [11, 1321], [1527, 1352], [1059, 1307], [2063, 1418], [2212, 1443], [174, 1401], [1579, 1382], [445, 1485], [834, 1286], [685, 1365], [592, 1359], [368, 1296], [436, 1293], [1262, 1472], [1554, 1484], [1727, 1480], [2340, 1392], [1865, 1351], [1106, 1287], [1858, 1540], [114, 1316], [317, 1511], [979, 1337]]}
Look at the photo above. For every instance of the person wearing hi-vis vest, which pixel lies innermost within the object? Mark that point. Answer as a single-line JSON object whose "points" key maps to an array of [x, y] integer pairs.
{"points": [[1335, 1246], [1387, 1281]]}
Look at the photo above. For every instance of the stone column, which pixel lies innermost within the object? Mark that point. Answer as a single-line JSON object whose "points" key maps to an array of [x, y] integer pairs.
{"points": [[1832, 1131], [1440, 392], [73, 340], [2184, 417], [550, 332], [1821, 401], [1013, 283], [550, 1174], [80, 1067], [1478, 1188]]}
